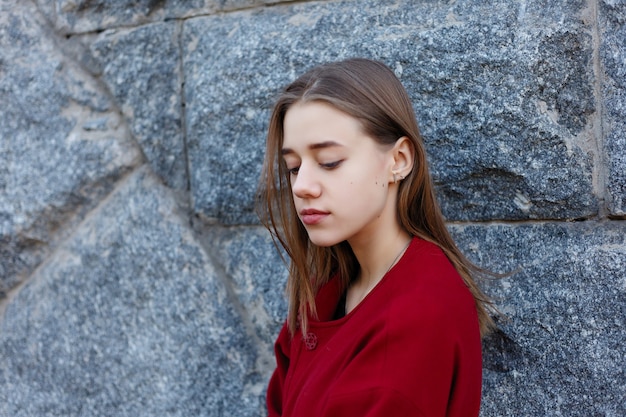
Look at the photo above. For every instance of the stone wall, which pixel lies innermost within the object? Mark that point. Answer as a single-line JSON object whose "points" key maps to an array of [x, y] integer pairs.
{"points": [[134, 278]]}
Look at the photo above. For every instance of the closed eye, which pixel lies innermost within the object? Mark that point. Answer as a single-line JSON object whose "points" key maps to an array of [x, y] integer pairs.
{"points": [[332, 165], [327, 166]]}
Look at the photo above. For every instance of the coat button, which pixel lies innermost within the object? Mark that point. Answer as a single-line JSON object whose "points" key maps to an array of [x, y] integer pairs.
{"points": [[310, 341]]}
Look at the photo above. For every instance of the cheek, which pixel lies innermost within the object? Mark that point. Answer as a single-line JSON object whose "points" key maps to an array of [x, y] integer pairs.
{"points": [[366, 189]]}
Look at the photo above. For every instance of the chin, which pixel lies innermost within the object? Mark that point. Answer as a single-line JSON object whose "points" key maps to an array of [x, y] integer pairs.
{"points": [[324, 241]]}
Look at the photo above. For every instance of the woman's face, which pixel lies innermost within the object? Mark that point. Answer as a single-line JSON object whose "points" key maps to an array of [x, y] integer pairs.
{"points": [[339, 176]]}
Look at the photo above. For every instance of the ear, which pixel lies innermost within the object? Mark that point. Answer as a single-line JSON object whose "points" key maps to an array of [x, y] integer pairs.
{"points": [[402, 153]]}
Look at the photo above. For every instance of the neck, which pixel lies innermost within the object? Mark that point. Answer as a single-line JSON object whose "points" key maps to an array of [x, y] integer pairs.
{"points": [[378, 245], [378, 255]]}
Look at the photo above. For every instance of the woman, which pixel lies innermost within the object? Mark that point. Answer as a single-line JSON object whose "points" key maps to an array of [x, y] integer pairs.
{"points": [[384, 316]]}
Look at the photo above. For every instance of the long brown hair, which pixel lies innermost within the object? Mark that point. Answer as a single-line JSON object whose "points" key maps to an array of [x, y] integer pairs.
{"points": [[370, 92]]}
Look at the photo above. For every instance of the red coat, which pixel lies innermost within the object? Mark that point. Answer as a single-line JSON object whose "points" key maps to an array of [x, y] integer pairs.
{"points": [[410, 348]]}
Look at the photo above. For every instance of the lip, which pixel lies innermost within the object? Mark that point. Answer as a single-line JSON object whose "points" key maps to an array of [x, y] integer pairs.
{"points": [[311, 217]]}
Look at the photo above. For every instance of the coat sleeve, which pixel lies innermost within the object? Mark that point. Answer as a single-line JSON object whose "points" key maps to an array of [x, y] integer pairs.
{"points": [[276, 385], [375, 402]]}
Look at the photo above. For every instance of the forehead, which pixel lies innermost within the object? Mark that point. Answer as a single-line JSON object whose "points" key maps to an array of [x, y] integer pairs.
{"points": [[310, 123]]}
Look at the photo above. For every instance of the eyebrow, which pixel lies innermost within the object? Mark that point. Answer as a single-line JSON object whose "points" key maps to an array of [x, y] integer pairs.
{"points": [[313, 146]]}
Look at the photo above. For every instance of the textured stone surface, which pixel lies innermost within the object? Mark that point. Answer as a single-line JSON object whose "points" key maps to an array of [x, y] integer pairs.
{"points": [[613, 58], [142, 69], [561, 351], [114, 306], [127, 318], [62, 144], [259, 277], [504, 96], [77, 16], [505, 106]]}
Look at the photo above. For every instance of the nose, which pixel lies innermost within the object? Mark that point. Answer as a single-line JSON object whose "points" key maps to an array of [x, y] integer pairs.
{"points": [[305, 184]]}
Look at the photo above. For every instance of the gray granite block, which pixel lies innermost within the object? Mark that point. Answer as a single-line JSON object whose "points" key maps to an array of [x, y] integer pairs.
{"points": [[80, 16], [141, 67], [63, 145], [128, 318], [613, 60], [258, 275], [560, 350], [504, 96]]}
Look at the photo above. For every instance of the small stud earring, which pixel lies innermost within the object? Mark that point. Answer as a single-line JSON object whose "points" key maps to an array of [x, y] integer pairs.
{"points": [[397, 178]]}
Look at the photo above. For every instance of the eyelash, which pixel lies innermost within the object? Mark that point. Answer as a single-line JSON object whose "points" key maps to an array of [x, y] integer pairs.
{"points": [[328, 166], [332, 165]]}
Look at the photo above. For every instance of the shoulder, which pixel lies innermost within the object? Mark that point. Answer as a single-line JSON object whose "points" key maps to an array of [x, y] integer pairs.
{"points": [[428, 265], [429, 301], [431, 330], [426, 282]]}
